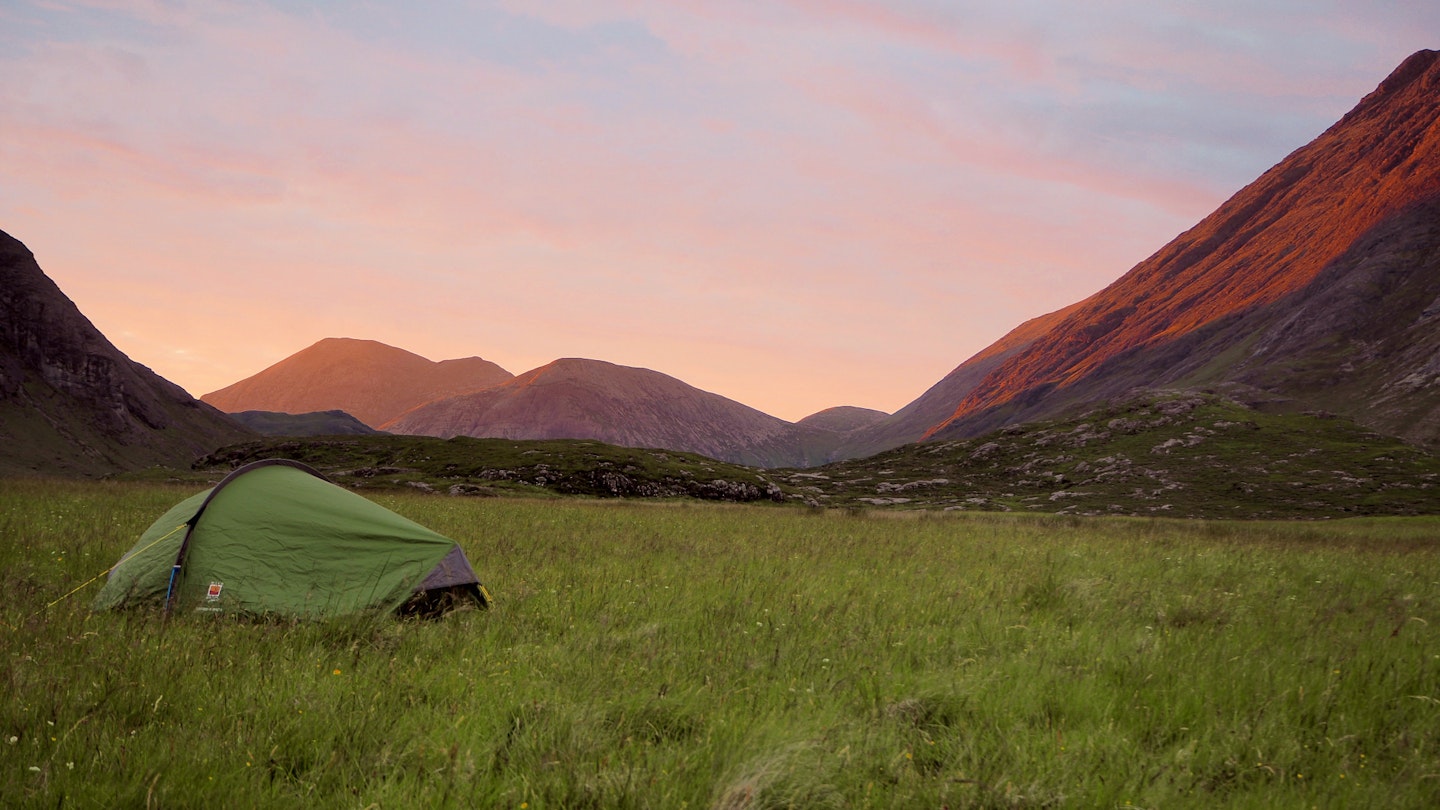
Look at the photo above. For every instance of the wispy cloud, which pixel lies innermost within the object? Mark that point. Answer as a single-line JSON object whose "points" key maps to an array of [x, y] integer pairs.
{"points": [[796, 204]]}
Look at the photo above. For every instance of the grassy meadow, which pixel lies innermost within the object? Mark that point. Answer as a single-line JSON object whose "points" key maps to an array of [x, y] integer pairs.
{"points": [[687, 655]]}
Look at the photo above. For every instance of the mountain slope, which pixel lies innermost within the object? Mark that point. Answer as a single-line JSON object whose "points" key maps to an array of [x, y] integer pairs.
{"points": [[481, 467], [71, 403], [910, 424], [369, 380], [1313, 282], [1364, 339], [632, 407]]}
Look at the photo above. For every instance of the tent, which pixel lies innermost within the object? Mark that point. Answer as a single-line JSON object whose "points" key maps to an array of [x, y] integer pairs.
{"points": [[278, 538]]}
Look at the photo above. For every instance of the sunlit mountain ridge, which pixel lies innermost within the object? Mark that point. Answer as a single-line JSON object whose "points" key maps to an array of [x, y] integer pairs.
{"points": [[1318, 282], [1314, 288]]}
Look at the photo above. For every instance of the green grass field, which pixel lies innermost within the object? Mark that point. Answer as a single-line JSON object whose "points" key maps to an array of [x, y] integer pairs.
{"points": [[716, 656]]}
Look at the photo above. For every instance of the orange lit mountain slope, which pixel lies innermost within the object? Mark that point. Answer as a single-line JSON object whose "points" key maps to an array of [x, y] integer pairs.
{"points": [[909, 424], [1317, 282], [370, 381]]}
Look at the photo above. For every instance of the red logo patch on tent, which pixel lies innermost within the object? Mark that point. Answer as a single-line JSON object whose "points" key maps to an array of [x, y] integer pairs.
{"points": [[213, 595]]}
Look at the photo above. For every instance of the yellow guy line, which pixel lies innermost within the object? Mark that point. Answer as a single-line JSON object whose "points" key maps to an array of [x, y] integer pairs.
{"points": [[106, 572]]}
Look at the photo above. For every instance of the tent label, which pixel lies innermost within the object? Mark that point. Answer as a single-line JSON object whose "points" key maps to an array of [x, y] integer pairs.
{"points": [[213, 594]]}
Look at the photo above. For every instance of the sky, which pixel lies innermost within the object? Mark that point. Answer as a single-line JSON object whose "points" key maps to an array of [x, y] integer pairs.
{"points": [[795, 204]]}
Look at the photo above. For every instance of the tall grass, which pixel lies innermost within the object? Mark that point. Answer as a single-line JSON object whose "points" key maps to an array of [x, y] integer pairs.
{"points": [[707, 656]]}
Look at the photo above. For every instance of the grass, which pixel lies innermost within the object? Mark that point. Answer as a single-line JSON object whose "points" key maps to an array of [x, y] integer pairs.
{"points": [[723, 656], [1156, 453], [1178, 454], [468, 466]]}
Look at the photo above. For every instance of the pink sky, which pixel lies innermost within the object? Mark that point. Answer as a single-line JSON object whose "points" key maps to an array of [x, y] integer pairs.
{"points": [[793, 204]]}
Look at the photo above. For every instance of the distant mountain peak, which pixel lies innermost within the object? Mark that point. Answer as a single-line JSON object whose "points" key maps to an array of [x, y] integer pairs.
{"points": [[576, 398], [843, 418], [370, 380]]}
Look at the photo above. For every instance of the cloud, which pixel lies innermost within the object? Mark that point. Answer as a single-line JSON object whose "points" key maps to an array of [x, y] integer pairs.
{"points": [[779, 202]]}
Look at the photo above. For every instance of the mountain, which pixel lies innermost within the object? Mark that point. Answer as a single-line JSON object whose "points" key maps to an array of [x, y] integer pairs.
{"points": [[631, 407], [844, 419], [369, 380], [319, 423], [1170, 453], [1318, 283], [911, 423], [1316, 287], [71, 403]]}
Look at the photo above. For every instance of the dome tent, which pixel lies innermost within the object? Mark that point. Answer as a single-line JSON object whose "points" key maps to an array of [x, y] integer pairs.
{"points": [[278, 538]]}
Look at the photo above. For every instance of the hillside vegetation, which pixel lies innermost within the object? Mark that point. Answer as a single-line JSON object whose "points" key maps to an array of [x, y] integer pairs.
{"points": [[731, 657], [1169, 453], [1158, 453], [466, 466]]}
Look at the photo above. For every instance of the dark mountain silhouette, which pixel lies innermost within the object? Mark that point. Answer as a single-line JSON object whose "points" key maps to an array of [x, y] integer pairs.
{"points": [[369, 380], [73, 404], [631, 407], [1319, 283], [319, 423]]}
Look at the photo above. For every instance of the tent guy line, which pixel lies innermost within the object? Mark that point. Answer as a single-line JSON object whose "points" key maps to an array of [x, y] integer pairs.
{"points": [[87, 583]]}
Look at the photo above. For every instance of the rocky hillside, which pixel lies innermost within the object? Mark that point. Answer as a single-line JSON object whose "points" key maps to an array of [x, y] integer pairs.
{"points": [[369, 380], [1319, 282], [1154, 454], [73, 404], [631, 407], [485, 467], [1166, 453]]}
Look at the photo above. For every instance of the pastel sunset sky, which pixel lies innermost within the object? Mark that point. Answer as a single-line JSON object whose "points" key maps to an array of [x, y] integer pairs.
{"points": [[792, 203]]}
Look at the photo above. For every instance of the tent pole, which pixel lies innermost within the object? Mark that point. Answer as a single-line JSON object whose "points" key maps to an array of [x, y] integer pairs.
{"points": [[170, 589]]}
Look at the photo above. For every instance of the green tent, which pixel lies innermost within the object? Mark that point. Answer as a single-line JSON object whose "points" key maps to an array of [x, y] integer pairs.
{"points": [[277, 538]]}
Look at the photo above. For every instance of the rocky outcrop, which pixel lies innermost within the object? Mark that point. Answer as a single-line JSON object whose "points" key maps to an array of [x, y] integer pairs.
{"points": [[1175, 453], [72, 403]]}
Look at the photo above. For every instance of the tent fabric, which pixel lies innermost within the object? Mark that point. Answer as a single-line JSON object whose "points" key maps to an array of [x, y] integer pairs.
{"points": [[143, 572], [277, 537]]}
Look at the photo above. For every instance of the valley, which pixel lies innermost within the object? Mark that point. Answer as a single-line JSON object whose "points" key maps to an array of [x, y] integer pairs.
{"points": [[1277, 360], [730, 656], [1315, 288], [1170, 454], [1175, 544]]}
